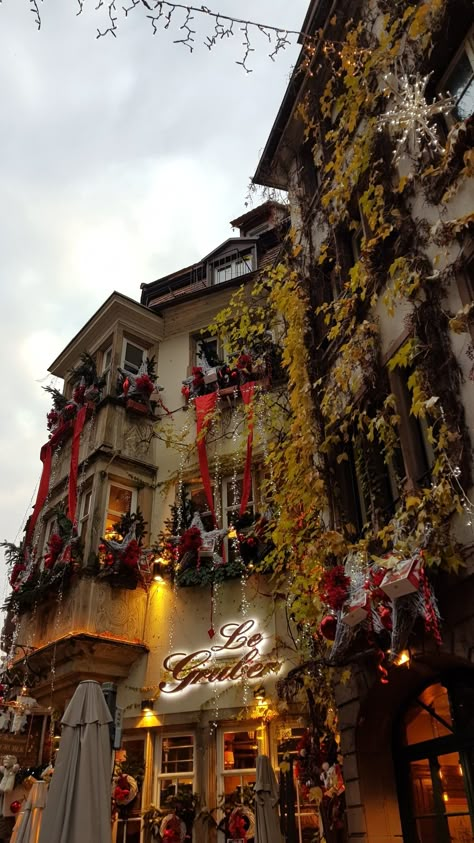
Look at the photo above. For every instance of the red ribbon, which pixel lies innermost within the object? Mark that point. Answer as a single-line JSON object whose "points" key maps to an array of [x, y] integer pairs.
{"points": [[76, 441], [46, 456], [247, 391], [205, 405]]}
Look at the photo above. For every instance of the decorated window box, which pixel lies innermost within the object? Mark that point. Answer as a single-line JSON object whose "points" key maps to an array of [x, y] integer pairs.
{"points": [[136, 407], [403, 579], [357, 608]]}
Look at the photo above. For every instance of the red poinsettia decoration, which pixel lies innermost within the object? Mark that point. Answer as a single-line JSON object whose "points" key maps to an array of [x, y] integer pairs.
{"points": [[78, 394], [145, 384], [172, 832], [16, 571], [52, 419], [121, 790], [237, 826], [334, 587], [245, 362], [131, 554], [190, 541]]}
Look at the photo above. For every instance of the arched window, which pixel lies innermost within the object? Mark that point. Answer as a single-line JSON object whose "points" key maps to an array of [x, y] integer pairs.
{"points": [[434, 754]]}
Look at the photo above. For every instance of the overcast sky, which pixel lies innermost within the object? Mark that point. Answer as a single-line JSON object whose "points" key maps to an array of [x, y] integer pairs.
{"points": [[123, 159]]}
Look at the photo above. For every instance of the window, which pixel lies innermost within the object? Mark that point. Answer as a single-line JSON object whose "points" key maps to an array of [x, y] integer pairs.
{"points": [[417, 449], [435, 755], [238, 759], [122, 499], [133, 759], [226, 507], [206, 351], [176, 763], [368, 485], [232, 266], [132, 357], [84, 510], [459, 80], [105, 366]]}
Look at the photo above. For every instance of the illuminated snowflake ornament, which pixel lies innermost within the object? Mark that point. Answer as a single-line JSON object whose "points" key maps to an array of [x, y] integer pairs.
{"points": [[411, 118]]}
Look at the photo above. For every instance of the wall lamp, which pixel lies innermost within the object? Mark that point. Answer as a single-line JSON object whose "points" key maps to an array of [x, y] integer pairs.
{"points": [[147, 706]]}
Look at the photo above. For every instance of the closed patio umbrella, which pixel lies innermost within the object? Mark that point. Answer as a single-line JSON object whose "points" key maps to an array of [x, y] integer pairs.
{"points": [[27, 830], [267, 822], [78, 806]]}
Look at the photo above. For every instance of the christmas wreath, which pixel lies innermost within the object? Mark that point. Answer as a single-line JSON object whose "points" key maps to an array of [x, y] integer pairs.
{"points": [[172, 829], [124, 790], [242, 823]]}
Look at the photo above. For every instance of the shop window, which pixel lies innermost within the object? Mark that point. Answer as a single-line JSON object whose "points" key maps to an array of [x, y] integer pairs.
{"points": [[122, 499], [459, 81], [176, 765], [238, 752], [435, 765], [132, 357]]}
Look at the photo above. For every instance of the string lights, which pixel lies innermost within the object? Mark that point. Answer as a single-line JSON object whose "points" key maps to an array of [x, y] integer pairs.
{"points": [[411, 117]]}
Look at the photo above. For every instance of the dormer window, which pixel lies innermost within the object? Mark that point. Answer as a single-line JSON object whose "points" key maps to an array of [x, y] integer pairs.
{"points": [[231, 266]]}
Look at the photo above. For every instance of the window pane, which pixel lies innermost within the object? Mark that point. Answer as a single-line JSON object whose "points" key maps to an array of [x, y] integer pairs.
{"points": [[177, 754], [233, 783], [460, 829], [452, 780], [170, 786], [460, 83], [420, 725], [422, 788], [133, 358], [120, 500], [240, 750]]}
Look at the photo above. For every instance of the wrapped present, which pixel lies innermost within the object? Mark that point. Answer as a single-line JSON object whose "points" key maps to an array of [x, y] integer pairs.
{"points": [[403, 579], [207, 548], [356, 608], [210, 376]]}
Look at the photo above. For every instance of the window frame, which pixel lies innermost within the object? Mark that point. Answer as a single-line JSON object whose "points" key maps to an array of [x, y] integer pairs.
{"points": [[467, 47], [133, 502], [123, 359], [159, 775]]}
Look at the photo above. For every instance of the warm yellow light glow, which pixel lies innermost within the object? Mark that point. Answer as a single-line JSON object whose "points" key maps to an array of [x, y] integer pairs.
{"points": [[402, 658], [232, 533], [445, 797], [461, 772], [158, 578]]}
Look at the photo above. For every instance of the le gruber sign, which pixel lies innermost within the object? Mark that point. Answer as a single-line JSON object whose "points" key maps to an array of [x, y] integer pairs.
{"points": [[240, 651]]}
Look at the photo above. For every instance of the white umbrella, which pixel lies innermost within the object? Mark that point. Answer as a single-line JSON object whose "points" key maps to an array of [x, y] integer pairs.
{"points": [[78, 807], [267, 822], [27, 830]]}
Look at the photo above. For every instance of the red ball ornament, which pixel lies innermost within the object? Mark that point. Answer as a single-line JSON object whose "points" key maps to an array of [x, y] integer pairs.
{"points": [[15, 806], [328, 627]]}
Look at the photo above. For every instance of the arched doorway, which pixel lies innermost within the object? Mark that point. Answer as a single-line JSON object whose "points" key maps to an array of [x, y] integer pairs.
{"points": [[434, 757]]}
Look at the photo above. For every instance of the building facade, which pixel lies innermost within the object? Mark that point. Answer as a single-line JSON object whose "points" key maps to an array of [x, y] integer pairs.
{"points": [[108, 584], [381, 205]]}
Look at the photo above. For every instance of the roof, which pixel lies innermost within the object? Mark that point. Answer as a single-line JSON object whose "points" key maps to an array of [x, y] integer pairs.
{"points": [[267, 172], [143, 321], [255, 213]]}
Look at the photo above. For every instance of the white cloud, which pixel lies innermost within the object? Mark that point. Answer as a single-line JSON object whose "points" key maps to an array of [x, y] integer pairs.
{"points": [[122, 160]]}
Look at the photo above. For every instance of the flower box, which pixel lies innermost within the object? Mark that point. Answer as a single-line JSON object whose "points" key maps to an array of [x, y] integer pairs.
{"points": [[210, 376], [357, 608], [403, 579], [136, 407]]}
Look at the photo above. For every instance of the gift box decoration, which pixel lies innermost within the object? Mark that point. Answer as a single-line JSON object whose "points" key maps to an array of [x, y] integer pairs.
{"points": [[356, 608], [403, 579], [210, 376], [207, 548]]}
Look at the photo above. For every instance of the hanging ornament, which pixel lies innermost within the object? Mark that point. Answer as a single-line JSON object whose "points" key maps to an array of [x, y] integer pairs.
{"points": [[411, 116], [328, 627]]}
